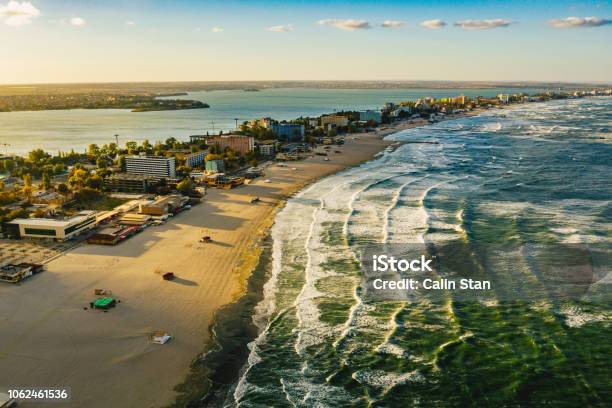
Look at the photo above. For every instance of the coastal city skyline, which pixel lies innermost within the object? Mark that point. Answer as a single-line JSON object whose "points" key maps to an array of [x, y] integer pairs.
{"points": [[387, 40]]}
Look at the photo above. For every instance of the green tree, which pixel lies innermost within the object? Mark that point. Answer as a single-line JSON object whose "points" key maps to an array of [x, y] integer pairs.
{"points": [[101, 163], [121, 162], [38, 156], [112, 148], [46, 181], [87, 194], [183, 171], [95, 182], [59, 168], [132, 147], [63, 189], [78, 178], [93, 150], [171, 142], [185, 187], [27, 180], [9, 165], [211, 156]]}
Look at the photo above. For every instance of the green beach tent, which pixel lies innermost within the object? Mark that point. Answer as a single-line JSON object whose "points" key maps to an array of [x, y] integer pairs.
{"points": [[104, 303]]}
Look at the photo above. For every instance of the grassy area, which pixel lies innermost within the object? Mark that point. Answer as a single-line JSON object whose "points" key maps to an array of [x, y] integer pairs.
{"points": [[103, 203]]}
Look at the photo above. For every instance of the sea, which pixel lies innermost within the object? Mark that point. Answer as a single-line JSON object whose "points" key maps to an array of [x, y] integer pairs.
{"points": [[65, 130], [514, 191]]}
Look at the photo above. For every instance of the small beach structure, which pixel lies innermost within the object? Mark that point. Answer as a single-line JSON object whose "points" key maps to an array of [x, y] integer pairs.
{"points": [[161, 337], [205, 239], [14, 273]]}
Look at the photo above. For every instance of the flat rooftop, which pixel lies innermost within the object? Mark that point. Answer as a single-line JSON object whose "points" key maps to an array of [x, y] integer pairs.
{"points": [[49, 222]]}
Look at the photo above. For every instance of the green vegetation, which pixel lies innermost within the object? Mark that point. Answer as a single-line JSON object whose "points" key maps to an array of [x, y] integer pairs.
{"points": [[137, 103]]}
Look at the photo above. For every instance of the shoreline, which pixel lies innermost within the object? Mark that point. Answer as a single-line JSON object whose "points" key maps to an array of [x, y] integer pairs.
{"points": [[207, 382]]}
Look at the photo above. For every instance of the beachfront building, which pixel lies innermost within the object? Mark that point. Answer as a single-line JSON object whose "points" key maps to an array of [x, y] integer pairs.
{"points": [[155, 166], [193, 139], [265, 123], [14, 273], [267, 149], [238, 143], [333, 121], [370, 115], [288, 132], [215, 166], [504, 98], [401, 111], [195, 159], [59, 230], [129, 183], [162, 205], [134, 219]]}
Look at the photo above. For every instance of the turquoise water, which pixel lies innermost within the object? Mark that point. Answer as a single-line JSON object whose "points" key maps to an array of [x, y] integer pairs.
{"points": [[76, 129], [536, 174]]}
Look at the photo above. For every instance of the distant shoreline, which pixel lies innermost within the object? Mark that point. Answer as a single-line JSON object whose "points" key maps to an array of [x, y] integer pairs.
{"points": [[97, 100], [186, 86]]}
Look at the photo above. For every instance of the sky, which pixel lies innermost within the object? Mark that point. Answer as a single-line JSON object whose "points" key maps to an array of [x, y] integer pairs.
{"points": [[60, 41]]}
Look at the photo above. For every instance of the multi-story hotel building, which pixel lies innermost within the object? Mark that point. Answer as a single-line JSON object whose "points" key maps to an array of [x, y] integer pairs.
{"points": [[195, 159], [154, 166], [332, 121], [240, 144]]}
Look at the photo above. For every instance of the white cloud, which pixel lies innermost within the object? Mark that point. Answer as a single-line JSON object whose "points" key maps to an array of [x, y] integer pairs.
{"points": [[78, 22], [392, 24], [349, 25], [432, 24], [217, 30], [575, 22], [281, 28], [15, 13], [130, 23], [483, 24]]}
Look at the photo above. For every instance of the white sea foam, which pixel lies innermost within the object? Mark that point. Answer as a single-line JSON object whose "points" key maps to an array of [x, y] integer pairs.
{"points": [[576, 317]]}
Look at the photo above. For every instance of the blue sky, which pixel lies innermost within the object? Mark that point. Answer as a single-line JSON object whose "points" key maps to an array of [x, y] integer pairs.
{"points": [[147, 40]]}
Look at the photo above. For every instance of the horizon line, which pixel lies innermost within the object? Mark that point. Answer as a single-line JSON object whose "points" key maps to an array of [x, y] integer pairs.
{"points": [[496, 81]]}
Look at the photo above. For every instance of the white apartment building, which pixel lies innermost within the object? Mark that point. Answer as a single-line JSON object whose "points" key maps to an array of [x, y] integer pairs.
{"points": [[154, 166]]}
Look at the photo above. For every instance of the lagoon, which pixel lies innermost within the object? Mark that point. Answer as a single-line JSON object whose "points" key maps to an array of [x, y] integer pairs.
{"points": [[76, 129]]}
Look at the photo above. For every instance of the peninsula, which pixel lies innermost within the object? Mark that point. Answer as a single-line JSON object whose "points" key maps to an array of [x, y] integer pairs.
{"points": [[99, 100]]}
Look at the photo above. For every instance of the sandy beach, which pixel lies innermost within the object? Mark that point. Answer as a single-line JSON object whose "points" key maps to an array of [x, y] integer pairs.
{"points": [[107, 359]]}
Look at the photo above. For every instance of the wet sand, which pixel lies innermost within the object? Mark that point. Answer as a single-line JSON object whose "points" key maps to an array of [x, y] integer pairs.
{"points": [[107, 359]]}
